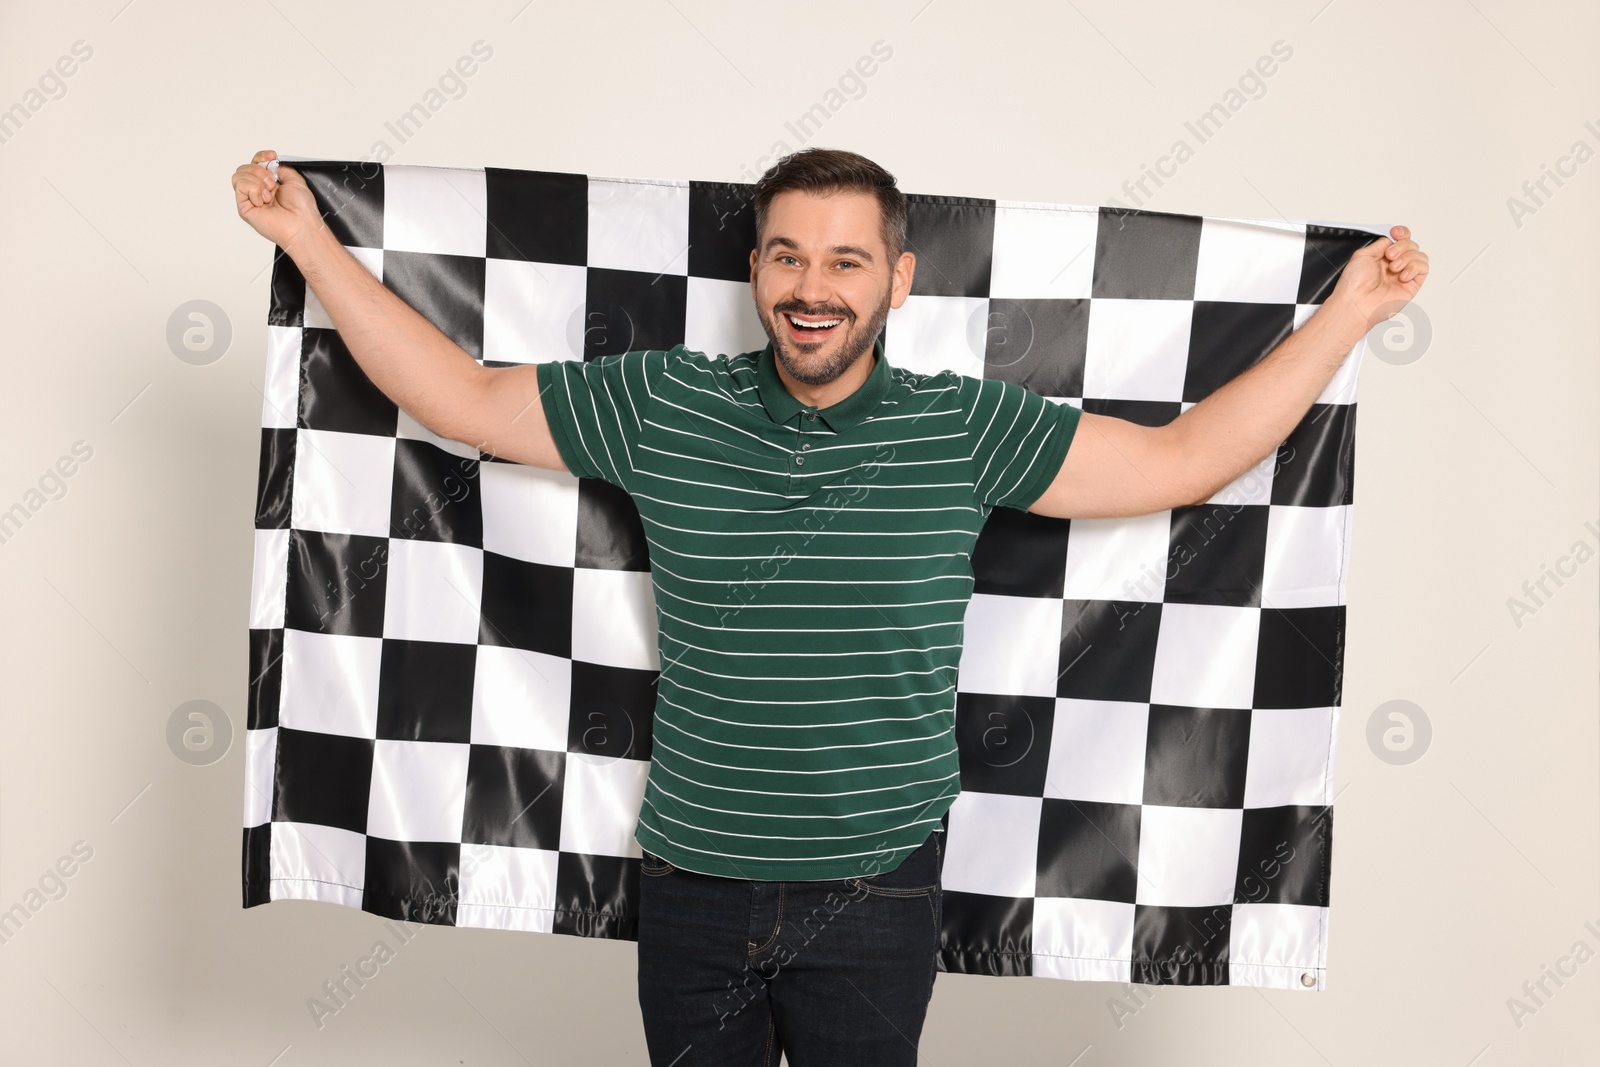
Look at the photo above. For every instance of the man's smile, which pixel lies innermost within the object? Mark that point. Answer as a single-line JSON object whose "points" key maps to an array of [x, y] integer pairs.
{"points": [[811, 329]]}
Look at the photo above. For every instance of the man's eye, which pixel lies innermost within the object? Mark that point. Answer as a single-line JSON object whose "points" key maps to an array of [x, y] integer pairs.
{"points": [[846, 263]]}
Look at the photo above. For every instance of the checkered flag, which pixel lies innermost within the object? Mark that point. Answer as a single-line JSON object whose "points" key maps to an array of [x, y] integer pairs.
{"points": [[453, 658]]}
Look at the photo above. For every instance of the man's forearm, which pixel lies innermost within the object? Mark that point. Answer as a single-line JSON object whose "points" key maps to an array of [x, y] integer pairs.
{"points": [[1241, 423], [405, 355]]}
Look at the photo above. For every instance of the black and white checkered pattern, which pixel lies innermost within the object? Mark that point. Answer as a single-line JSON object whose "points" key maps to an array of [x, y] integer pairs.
{"points": [[453, 657]]}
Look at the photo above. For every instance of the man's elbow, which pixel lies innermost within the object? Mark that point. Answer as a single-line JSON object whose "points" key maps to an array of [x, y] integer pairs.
{"points": [[1187, 482], [1193, 497]]}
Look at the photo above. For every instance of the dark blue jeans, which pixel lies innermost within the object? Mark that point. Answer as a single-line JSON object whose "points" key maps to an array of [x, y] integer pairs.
{"points": [[732, 972]]}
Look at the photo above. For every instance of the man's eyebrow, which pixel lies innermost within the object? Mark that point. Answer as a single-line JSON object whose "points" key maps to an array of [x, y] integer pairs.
{"points": [[837, 250]]}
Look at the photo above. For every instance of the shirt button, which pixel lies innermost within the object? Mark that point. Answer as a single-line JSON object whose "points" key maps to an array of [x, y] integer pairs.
{"points": [[799, 461], [811, 416], [804, 447]]}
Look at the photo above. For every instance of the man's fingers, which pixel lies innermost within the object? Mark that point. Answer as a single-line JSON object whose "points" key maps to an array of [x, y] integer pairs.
{"points": [[254, 184], [254, 179], [1410, 260], [255, 189], [247, 189]]}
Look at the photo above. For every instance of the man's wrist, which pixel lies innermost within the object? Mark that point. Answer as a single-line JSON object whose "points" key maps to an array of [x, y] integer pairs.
{"points": [[310, 245], [1343, 320]]}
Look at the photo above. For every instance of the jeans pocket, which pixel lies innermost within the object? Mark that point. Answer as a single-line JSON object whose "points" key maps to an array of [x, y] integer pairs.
{"points": [[916, 876], [654, 866]]}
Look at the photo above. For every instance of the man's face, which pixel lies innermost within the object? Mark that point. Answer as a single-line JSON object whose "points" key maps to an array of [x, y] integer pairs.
{"points": [[822, 281]]}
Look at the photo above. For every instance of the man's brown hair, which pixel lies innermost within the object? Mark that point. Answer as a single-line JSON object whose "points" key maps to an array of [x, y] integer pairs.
{"points": [[828, 170]]}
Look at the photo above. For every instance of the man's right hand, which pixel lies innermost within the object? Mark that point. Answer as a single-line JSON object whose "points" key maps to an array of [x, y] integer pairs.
{"points": [[281, 211], [495, 409]]}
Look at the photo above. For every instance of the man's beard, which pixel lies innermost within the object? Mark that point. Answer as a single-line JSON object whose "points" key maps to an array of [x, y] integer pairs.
{"points": [[802, 367]]}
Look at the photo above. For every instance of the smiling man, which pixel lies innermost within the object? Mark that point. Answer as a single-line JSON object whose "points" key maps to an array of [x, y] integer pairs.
{"points": [[811, 511]]}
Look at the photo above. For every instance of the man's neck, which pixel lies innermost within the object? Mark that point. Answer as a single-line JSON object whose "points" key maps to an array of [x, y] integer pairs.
{"points": [[822, 396]]}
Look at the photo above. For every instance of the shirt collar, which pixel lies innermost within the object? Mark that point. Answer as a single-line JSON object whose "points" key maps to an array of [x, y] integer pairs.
{"points": [[782, 406]]}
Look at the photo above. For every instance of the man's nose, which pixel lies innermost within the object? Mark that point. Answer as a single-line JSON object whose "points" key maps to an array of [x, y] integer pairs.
{"points": [[813, 286]]}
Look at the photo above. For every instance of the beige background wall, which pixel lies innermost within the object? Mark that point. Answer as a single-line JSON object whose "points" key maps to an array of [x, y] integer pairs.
{"points": [[1458, 875]]}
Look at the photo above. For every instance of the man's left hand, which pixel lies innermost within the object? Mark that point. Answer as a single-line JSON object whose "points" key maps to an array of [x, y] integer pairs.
{"points": [[1382, 277]]}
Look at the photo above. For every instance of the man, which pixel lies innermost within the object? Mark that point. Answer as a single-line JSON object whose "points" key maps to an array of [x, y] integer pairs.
{"points": [[810, 511]]}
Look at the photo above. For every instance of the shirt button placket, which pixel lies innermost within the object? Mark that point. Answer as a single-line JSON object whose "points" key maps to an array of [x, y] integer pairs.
{"points": [[797, 458], [800, 460]]}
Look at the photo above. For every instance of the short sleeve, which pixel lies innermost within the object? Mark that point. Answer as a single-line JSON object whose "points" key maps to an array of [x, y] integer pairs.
{"points": [[1019, 440], [596, 410]]}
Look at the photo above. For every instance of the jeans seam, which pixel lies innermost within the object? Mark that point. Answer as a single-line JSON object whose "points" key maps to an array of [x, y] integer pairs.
{"points": [[891, 891], [777, 927]]}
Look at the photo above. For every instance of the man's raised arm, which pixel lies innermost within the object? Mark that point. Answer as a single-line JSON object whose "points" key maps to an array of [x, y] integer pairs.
{"points": [[1117, 468], [436, 381]]}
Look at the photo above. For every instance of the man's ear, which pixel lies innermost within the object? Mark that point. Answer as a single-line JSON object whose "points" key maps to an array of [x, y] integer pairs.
{"points": [[904, 268], [752, 268]]}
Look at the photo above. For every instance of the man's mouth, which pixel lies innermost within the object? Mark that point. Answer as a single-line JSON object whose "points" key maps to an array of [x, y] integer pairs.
{"points": [[811, 328]]}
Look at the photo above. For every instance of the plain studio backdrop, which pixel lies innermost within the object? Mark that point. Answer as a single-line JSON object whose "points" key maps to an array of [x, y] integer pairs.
{"points": [[1465, 912]]}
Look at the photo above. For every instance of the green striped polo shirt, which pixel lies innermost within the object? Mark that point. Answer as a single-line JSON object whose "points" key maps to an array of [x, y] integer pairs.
{"points": [[811, 568]]}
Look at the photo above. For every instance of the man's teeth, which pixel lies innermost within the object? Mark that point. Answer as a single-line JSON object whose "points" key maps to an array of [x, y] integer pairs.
{"points": [[821, 324]]}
